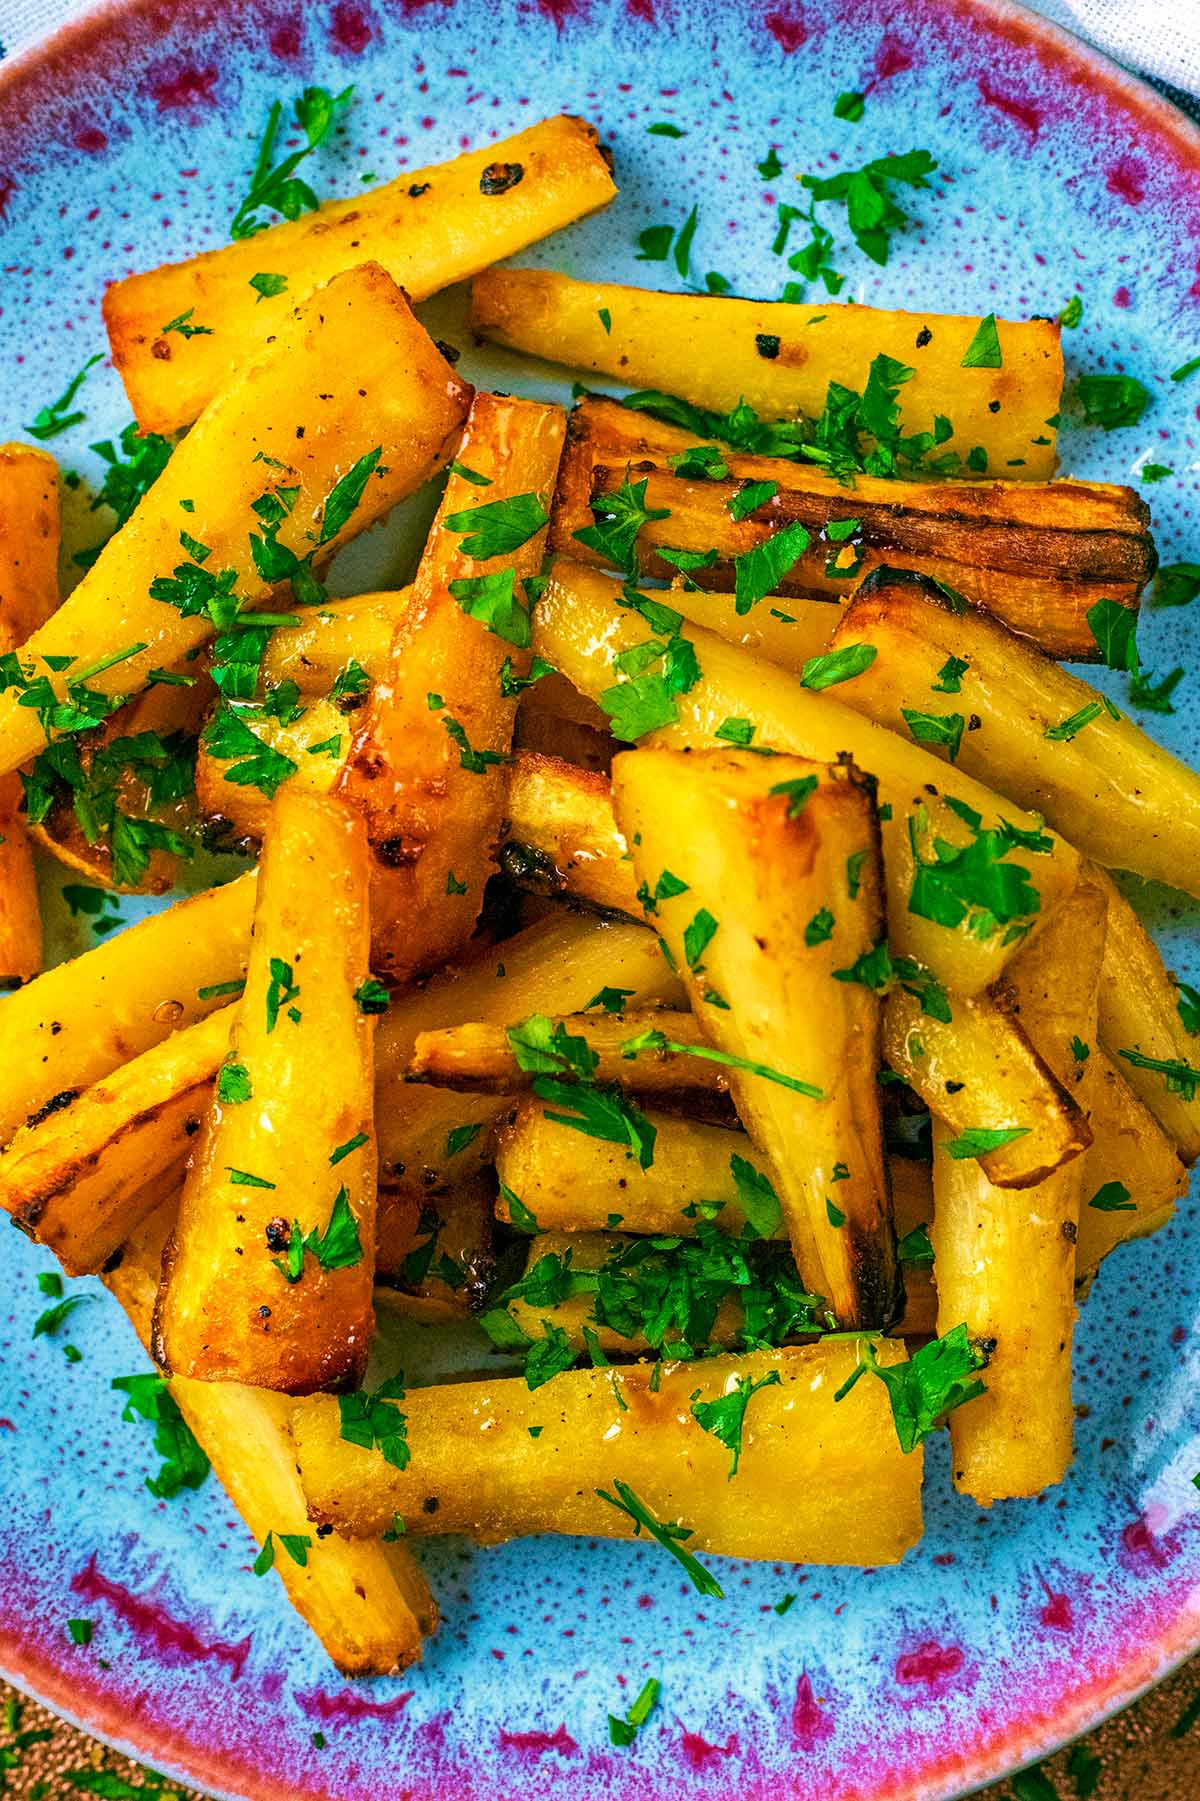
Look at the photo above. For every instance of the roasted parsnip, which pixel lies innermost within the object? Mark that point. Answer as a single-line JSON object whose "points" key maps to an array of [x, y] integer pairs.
{"points": [[481, 1058], [942, 908], [1047, 738], [367, 1601], [1132, 1176], [1141, 1027], [428, 765], [817, 1482], [29, 539], [559, 965], [158, 790], [436, 1266], [978, 1071], [80, 1021], [561, 837], [267, 1276], [1004, 1260], [781, 358], [738, 858], [389, 407], [428, 228], [75, 1179], [334, 655], [1037, 556]]}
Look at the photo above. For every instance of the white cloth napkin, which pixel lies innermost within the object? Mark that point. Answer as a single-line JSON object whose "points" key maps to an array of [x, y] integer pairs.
{"points": [[1158, 37]]}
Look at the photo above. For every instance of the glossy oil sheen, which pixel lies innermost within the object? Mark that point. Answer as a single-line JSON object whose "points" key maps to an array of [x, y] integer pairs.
{"points": [[130, 141]]}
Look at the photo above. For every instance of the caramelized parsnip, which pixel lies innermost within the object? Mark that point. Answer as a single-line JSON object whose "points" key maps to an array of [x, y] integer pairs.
{"points": [[367, 1601], [1045, 737], [978, 1070], [348, 374], [561, 837], [75, 1179], [30, 528], [428, 765], [428, 228], [1131, 1168], [558, 965], [1037, 557], [1004, 1261], [781, 357], [764, 877], [1140, 1026], [434, 1263], [267, 1277], [83, 1019], [480, 1058], [818, 1481], [579, 630]]}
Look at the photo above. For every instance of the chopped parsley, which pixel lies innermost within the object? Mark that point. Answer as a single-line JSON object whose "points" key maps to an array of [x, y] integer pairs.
{"points": [[351, 1144], [372, 996], [756, 1198], [797, 788], [1112, 1197], [619, 517], [1071, 313], [749, 496], [943, 729], [475, 762], [266, 285], [492, 599], [819, 928], [873, 213], [279, 189], [253, 763], [233, 1084], [1176, 584], [837, 666], [983, 352], [498, 527], [1112, 401], [1179, 1076], [850, 106], [623, 1731], [940, 1376], [338, 1247], [296, 1544], [697, 936], [654, 1040], [978, 1141], [182, 324], [371, 1421], [1067, 729], [725, 1417], [50, 420], [282, 991], [974, 882], [758, 570], [949, 676], [667, 1534], [184, 1463]]}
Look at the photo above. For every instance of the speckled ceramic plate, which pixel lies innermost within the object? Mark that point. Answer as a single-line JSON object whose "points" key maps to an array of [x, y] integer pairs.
{"points": [[128, 140]]}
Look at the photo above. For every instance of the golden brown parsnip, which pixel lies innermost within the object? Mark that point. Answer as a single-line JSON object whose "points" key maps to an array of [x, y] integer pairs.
{"points": [[30, 528], [267, 1277], [428, 228], [710, 351], [1139, 1013], [355, 363], [1131, 1169], [575, 1184], [545, 733], [367, 1601], [166, 709], [479, 1058], [1049, 739], [1036, 556], [326, 644], [558, 965], [434, 1263], [818, 1481], [428, 766], [979, 1071], [75, 1180], [80, 1021], [765, 882], [579, 630], [1004, 1259], [561, 837]]}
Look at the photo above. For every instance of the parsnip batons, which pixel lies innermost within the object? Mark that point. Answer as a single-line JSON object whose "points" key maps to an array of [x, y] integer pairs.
{"points": [[763, 875], [267, 1277]]}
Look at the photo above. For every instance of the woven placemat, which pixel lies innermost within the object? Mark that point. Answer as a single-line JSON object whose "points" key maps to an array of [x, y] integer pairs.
{"points": [[1149, 1753]]}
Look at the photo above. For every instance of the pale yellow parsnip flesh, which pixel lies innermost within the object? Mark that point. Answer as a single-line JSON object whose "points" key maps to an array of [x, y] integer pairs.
{"points": [[579, 630], [820, 1481], [358, 334], [756, 869], [298, 1146]]}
